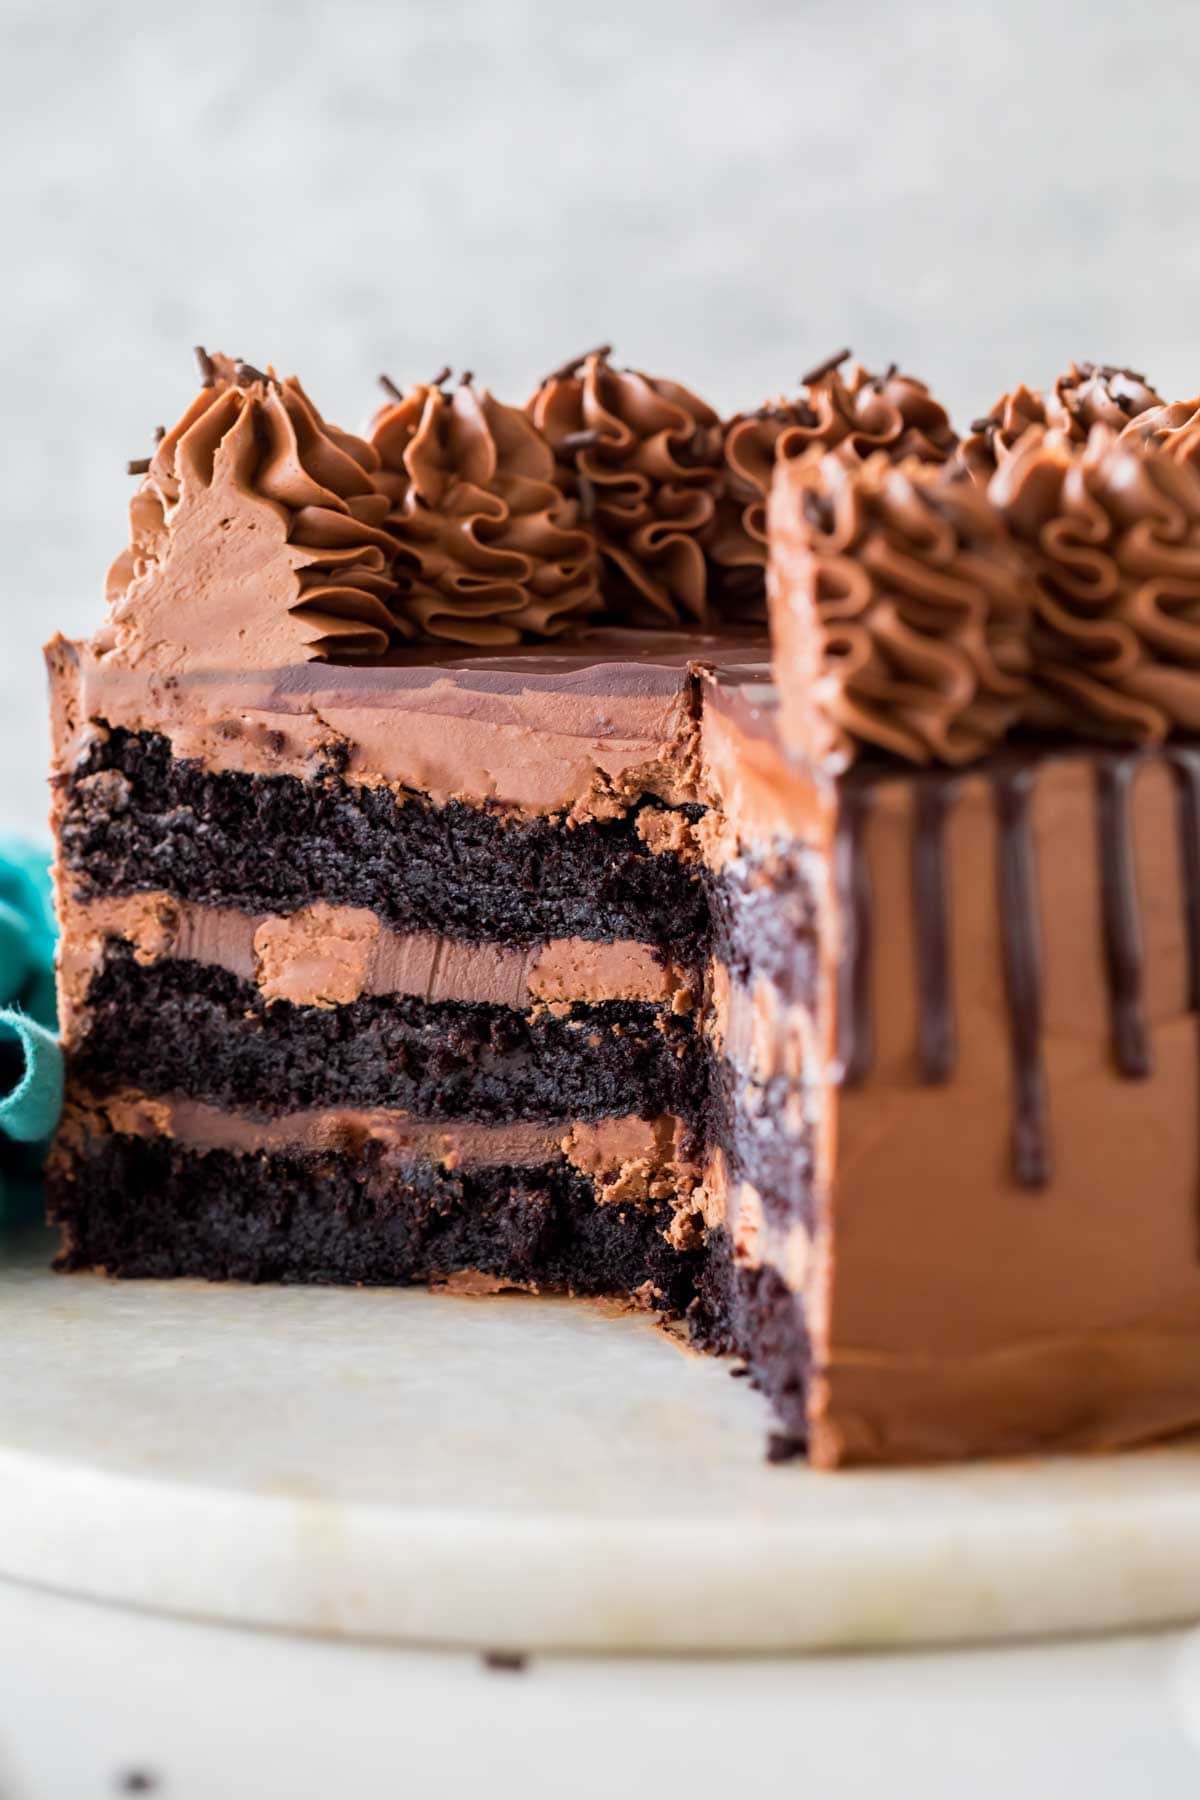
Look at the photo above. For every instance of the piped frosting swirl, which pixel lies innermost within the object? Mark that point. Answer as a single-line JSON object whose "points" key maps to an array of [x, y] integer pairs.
{"points": [[256, 537], [490, 550], [1085, 394], [641, 458], [1112, 532], [859, 411], [898, 601], [1174, 428]]}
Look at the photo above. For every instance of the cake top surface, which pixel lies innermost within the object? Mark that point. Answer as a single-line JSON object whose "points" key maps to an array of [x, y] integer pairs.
{"points": [[929, 597]]}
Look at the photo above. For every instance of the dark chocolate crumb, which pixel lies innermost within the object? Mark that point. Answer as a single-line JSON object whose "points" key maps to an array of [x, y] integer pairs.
{"points": [[510, 1662], [137, 1781], [821, 369], [206, 366], [389, 387], [138, 465], [781, 1447]]}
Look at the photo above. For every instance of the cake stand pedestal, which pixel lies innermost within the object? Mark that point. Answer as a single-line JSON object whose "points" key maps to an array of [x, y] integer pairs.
{"points": [[517, 1473]]}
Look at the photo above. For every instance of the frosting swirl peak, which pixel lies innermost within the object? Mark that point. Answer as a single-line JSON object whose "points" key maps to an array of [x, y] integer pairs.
{"points": [[640, 458], [899, 611], [1175, 429], [1085, 394], [256, 536], [859, 412], [1112, 531], [490, 550]]}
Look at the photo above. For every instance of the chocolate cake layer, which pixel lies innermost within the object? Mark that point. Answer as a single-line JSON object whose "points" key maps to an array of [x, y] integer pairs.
{"points": [[136, 819], [749, 1310], [768, 1138], [156, 1207], [177, 1027]]}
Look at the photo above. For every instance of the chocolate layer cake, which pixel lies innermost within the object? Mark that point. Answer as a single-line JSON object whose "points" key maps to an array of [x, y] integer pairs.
{"points": [[473, 871]]}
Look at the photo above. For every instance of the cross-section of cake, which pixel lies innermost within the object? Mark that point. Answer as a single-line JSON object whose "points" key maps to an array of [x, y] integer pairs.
{"points": [[471, 872]]}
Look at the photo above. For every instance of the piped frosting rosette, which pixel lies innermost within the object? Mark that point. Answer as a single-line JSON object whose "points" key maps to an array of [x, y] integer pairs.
{"points": [[1112, 533], [1085, 394], [490, 550], [858, 411], [641, 458], [256, 536], [901, 606]]}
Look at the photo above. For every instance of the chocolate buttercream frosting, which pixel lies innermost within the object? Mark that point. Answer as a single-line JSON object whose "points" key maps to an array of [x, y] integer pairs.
{"points": [[1175, 429], [859, 411], [641, 458], [1112, 531], [491, 552], [1085, 394], [909, 605], [256, 536]]}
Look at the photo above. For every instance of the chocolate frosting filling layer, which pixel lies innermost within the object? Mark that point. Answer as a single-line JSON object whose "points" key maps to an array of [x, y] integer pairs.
{"points": [[326, 956], [601, 1148]]}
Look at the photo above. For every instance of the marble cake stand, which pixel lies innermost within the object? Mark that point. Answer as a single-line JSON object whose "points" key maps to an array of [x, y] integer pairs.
{"points": [[519, 1473]]}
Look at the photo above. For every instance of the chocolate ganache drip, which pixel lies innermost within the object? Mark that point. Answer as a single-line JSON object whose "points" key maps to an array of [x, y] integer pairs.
{"points": [[490, 550], [860, 411], [640, 459], [921, 606], [1111, 530], [256, 538]]}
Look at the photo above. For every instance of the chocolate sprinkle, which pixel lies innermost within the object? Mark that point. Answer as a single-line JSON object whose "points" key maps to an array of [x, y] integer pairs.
{"points": [[509, 1662], [138, 465], [245, 374], [587, 500], [567, 369], [389, 387], [464, 380], [160, 432], [442, 375], [822, 369], [581, 440], [204, 362]]}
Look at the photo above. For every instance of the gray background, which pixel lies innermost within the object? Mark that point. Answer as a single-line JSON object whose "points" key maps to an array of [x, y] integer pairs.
{"points": [[728, 191]]}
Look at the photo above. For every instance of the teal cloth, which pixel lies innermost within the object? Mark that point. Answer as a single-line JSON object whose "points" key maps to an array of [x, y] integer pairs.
{"points": [[31, 1073]]}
